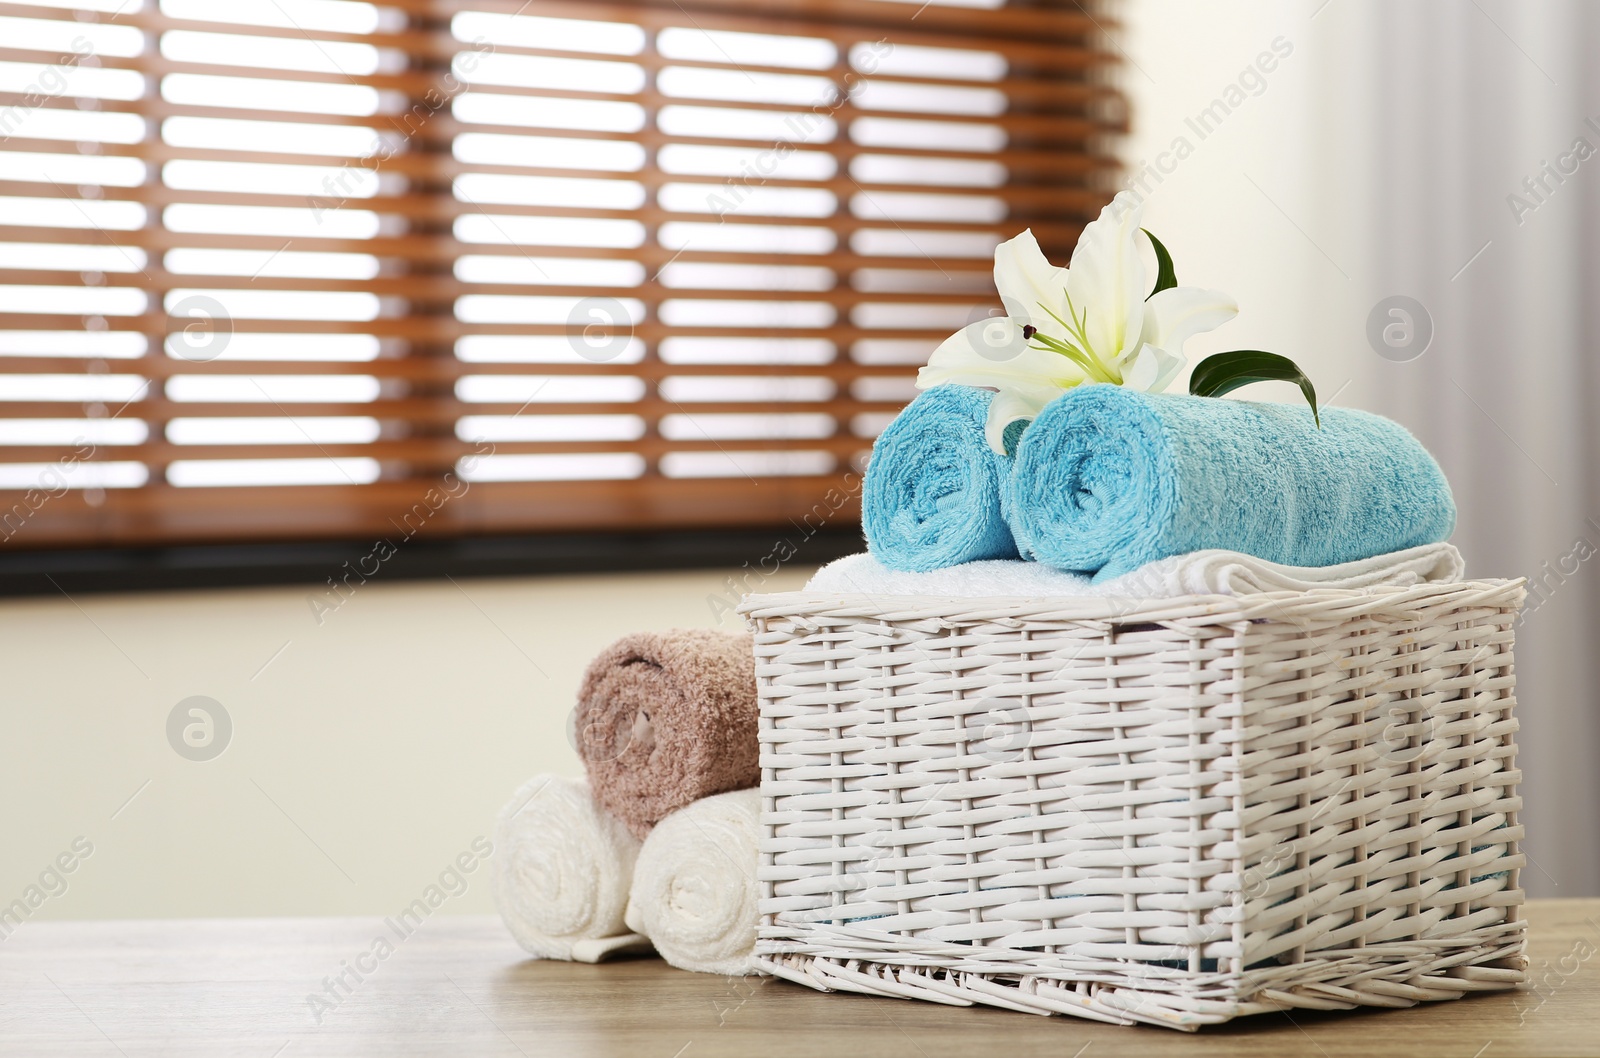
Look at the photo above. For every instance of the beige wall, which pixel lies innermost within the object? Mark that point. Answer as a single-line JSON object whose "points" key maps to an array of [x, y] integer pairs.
{"points": [[363, 758]]}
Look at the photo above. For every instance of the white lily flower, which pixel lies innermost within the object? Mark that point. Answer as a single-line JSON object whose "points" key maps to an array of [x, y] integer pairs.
{"points": [[1092, 322]]}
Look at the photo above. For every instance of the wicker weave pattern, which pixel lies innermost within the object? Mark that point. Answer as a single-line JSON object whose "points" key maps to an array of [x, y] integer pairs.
{"points": [[1173, 811]]}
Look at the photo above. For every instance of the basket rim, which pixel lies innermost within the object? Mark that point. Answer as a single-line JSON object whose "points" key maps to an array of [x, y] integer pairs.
{"points": [[1313, 604]]}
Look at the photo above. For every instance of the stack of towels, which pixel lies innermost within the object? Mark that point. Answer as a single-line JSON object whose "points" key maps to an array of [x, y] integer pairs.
{"points": [[1111, 490], [657, 846]]}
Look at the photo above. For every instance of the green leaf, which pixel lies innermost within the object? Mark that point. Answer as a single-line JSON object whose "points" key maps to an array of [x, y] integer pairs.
{"points": [[1166, 277], [1226, 372]]}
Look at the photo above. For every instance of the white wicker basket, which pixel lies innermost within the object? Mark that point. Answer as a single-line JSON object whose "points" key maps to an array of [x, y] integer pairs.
{"points": [[1174, 811]]}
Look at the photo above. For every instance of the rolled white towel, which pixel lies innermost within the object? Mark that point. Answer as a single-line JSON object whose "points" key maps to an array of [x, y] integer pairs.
{"points": [[561, 872], [1197, 573], [694, 887]]}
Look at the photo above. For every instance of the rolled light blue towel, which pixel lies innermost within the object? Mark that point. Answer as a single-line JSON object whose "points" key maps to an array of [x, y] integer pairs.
{"points": [[932, 492], [1107, 479]]}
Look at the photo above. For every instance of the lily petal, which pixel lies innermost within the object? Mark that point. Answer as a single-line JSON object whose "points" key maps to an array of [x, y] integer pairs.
{"points": [[1107, 279], [1011, 406], [994, 340], [992, 353], [1173, 316], [1151, 369], [1026, 280]]}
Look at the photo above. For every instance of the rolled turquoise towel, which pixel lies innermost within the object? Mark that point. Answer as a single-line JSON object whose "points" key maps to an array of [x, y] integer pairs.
{"points": [[1109, 478], [932, 492]]}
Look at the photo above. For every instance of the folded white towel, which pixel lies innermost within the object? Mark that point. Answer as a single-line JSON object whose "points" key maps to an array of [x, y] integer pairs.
{"points": [[694, 888], [561, 872], [1197, 573]]}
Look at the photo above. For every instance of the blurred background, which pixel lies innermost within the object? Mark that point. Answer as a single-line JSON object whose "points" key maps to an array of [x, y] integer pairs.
{"points": [[365, 369]]}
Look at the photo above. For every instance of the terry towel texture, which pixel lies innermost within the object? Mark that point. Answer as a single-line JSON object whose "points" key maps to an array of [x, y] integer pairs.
{"points": [[667, 718], [694, 889], [561, 872], [932, 491], [1200, 573], [1107, 479]]}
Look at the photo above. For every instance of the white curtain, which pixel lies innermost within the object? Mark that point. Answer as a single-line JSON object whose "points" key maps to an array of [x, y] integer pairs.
{"points": [[1441, 119], [1380, 160]]}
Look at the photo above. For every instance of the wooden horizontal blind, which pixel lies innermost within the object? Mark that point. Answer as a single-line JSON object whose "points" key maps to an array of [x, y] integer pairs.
{"points": [[292, 268]]}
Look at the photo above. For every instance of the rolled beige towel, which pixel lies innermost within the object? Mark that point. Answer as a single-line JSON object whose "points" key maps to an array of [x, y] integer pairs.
{"points": [[694, 886], [562, 869], [664, 719]]}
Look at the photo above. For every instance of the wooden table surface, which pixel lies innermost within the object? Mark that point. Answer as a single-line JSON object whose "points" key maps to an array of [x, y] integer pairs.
{"points": [[459, 986]]}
